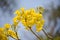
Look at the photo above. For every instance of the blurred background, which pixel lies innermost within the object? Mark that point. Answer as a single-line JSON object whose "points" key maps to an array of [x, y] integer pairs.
{"points": [[51, 15]]}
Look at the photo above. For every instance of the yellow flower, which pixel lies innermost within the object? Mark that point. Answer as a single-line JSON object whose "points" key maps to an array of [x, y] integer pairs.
{"points": [[32, 10], [33, 14], [3, 37], [12, 34], [22, 9], [27, 12], [16, 19], [1, 30], [7, 26], [30, 17], [30, 23], [41, 9], [2, 34], [42, 21], [23, 16], [38, 26], [39, 15], [15, 24], [24, 23], [17, 12]]}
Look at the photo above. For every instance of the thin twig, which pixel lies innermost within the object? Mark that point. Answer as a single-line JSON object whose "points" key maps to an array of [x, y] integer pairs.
{"points": [[11, 36], [50, 37], [17, 36], [34, 33]]}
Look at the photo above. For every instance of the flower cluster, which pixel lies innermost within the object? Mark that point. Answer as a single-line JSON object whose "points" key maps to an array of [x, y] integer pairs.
{"points": [[28, 18], [2, 34], [5, 32]]}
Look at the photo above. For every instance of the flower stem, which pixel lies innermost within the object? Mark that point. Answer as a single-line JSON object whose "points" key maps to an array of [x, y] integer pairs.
{"points": [[34, 33], [11, 36], [17, 36], [50, 37]]}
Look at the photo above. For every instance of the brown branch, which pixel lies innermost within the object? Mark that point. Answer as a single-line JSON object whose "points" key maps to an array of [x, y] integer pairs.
{"points": [[34, 33], [50, 37], [17, 36]]}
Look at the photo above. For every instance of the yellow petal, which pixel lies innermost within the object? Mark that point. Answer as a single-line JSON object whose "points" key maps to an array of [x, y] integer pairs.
{"points": [[39, 29], [7, 26], [17, 12], [3, 37], [22, 9], [39, 26], [12, 34], [42, 21]]}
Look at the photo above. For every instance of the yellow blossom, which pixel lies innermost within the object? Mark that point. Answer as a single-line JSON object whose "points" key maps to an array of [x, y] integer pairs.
{"points": [[24, 23], [40, 9], [15, 24], [2, 34], [32, 10], [22, 9], [30, 17], [17, 12], [39, 26], [27, 12], [16, 19], [42, 21], [1, 30], [30, 23], [12, 34], [7, 26], [39, 15], [3, 37]]}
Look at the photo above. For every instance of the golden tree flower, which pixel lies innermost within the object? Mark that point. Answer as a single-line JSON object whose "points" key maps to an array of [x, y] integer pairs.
{"points": [[17, 12], [24, 23], [7, 26], [30, 17], [3, 37], [15, 24], [39, 16], [1, 29], [22, 9], [30, 23], [12, 34], [16, 20], [40, 9], [2, 34], [39, 26], [32, 10], [42, 21]]}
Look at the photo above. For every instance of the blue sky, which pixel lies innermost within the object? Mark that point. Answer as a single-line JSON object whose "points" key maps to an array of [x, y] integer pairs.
{"points": [[34, 3]]}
